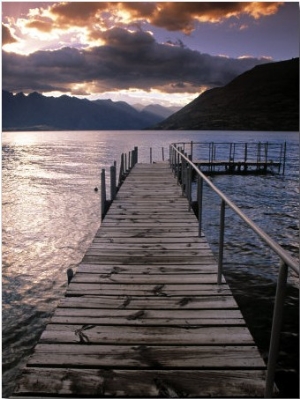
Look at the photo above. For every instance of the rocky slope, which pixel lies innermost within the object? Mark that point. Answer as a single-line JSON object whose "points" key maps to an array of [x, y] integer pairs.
{"points": [[264, 98]]}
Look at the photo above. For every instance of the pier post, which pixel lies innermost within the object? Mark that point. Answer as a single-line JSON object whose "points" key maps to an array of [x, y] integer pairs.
{"points": [[121, 170], [150, 154], [276, 327], [129, 160], [284, 155], [183, 180], [245, 157], [189, 186], [135, 155], [221, 242], [103, 194], [199, 200], [177, 160], [113, 188]]}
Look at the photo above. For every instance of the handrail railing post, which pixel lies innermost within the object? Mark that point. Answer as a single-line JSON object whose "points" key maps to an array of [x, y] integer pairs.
{"points": [[190, 178], [221, 241], [174, 161], [103, 194], [177, 165], [171, 152], [186, 176], [276, 327], [187, 182], [199, 200], [183, 163]]}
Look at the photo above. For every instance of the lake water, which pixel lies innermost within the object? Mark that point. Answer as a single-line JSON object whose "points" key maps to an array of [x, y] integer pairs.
{"points": [[50, 214]]}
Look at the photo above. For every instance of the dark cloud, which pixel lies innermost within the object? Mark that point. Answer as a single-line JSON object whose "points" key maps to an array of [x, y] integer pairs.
{"points": [[7, 37], [127, 60], [173, 16], [77, 13], [43, 26], [182, 15]]}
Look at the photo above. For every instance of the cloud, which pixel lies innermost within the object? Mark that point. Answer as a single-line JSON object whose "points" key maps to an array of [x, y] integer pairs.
{"points": [[173, 16], [127, 60], [43, 26], [76, 13], [7, 37]]}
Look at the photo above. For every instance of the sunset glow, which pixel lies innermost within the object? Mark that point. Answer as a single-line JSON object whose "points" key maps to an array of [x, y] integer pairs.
{"points": [[154, 51]]}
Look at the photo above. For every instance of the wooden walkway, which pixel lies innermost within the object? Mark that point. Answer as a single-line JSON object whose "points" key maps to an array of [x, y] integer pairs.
{"points": [[143, 316]]}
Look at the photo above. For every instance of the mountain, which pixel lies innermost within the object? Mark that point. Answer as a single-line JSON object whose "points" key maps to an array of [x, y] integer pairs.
{"points": [[38, 112], [264, 98], [157, 109]]}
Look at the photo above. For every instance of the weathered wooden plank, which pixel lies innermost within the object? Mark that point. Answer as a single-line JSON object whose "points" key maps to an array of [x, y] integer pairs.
{"points": [[211, 314], [146, 357], [149, 223], [139, 231], [138, 320], [139, 335], [157, 302], [130, 204], [148, 253], [196, 281], [152, 247], [152, 240], [144, 210], [147, 215], [111, 290], [147, 260], [204, 267], [144, 383], [159, 289]]}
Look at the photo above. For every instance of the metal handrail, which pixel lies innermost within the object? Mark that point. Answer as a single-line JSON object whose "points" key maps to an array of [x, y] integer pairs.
{"points": [[286, 260]]}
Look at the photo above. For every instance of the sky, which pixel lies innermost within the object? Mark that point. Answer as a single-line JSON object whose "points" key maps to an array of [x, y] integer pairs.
{"points": [[140, 52]]}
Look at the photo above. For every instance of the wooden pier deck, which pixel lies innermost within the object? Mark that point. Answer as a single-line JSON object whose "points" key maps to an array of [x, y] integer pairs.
{"points": [[144, 316]]}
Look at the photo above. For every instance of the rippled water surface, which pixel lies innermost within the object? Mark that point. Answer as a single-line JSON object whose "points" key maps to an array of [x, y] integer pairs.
{"points": [[50, 214]]}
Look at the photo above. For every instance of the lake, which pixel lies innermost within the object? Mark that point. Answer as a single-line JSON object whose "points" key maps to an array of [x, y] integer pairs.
{"points": [[51, 212]]}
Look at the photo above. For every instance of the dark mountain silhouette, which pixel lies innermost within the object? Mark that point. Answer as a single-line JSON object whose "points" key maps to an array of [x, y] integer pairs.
{"points": [[157, 109], [38, 112], [264, 98]]}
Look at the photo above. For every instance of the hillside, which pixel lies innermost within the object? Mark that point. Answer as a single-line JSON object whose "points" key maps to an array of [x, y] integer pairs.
{"points": [[38, 112], [264, 98]]}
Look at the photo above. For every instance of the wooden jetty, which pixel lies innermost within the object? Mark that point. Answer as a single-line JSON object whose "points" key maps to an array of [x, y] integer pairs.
{"points": [[143, 315], [237, 158]]}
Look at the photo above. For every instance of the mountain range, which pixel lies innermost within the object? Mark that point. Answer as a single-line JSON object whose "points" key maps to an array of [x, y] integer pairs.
{"points": [[38, 112], [265, 98]]}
